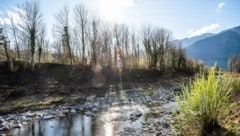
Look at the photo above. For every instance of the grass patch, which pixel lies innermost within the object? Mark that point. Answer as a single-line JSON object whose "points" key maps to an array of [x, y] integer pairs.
{"points": [[22, 105], [203, 102]]}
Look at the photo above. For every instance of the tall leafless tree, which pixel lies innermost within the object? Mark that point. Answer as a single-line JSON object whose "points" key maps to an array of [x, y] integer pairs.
{"points": [[62, 28], [146, 39], [81, 17], [94, 38], [15, 35], [4, 41], [30, 28], [106, 38]]}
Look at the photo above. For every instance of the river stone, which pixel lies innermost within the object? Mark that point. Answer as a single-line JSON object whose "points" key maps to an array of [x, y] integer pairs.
{"points": [[24, 118], [30, 115], [73, 111], [4, 127], [38, 114], [69, 107], [150, 130], [11, 117], [59, 114], [1, 121], [47, 117], [177, 90], [135, 115], [89, 114], [95, 110], [116, 103], [18, 125], [79, 108], [148, 99], [65, 111]]}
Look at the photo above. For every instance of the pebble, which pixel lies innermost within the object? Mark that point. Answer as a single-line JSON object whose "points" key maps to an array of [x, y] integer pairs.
{"points": [[47, 117], [95, 110], [4, 128], [17, 125], [1, 121], [73, 111], [90, 114]]}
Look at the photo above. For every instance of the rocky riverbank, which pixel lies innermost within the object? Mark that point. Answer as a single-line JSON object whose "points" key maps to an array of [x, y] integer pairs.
{"points": [[151, 110]]}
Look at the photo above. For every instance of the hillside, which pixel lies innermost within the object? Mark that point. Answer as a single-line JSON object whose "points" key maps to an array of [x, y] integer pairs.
{"points": [[217, 48], [186, 42]]}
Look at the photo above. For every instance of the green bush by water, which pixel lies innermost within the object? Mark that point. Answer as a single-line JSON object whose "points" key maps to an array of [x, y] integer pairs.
{"points": [[202, 102]]}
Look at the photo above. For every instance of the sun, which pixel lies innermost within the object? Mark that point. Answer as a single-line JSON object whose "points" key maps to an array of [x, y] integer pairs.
{"points": [[112, 10]]}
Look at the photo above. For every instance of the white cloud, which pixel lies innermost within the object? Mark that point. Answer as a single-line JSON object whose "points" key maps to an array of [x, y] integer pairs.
{"points": [[11, 14], [15, 17], [1, 21], [7, 21], [18, 10], [195, 32], [220, 7]]}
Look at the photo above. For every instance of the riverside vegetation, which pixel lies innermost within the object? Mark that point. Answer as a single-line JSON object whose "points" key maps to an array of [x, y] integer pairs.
{"points": [[206, 104]]}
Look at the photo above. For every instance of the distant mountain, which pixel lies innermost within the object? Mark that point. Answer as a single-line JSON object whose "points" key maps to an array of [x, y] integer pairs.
{"points": [[217, 48], [234, 29], [186, 42]]}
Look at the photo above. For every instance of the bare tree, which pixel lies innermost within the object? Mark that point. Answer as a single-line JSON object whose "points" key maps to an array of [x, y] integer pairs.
{"points": [[63, 33], [15, 35], [94, 38], [4, 41], [41, 41], [32, 20], [162, 38], [135, 48], [125, 39], [106, 37], [146, 39], [181, 59], [234, 63], [81, 17], [157, 47]]}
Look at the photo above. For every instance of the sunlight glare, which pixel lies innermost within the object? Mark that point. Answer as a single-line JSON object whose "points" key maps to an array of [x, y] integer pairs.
{"points": [[112, 10]]}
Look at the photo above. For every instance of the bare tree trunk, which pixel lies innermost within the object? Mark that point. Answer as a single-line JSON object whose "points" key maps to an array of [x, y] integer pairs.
{"points": [[32, 19], [39, 54], [14, 30], [81, 19], [62, 31], [5, 44]]}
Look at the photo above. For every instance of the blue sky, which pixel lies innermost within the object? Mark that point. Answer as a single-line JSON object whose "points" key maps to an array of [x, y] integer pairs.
{"points": [[185, 18]]}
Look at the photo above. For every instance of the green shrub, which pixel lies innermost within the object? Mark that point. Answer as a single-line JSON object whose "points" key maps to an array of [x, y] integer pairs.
{"points": [[202, 102]]}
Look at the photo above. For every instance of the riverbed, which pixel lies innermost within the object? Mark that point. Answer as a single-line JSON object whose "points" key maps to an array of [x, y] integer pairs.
{"points": [[128, 112]]}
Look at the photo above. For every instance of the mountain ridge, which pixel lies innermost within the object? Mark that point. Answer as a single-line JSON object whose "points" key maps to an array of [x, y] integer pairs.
{"points": [[220, 46]]}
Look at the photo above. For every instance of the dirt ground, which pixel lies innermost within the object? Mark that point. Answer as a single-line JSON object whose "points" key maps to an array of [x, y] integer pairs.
{"points": [[47, 85]]}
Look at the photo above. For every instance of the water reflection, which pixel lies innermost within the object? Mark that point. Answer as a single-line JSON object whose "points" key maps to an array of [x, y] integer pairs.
{"points": [[73, 125], [106, 123]]}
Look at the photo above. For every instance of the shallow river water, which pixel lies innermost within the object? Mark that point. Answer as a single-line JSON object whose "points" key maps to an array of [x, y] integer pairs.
{"points": [[106, 123], [122, 116]]}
